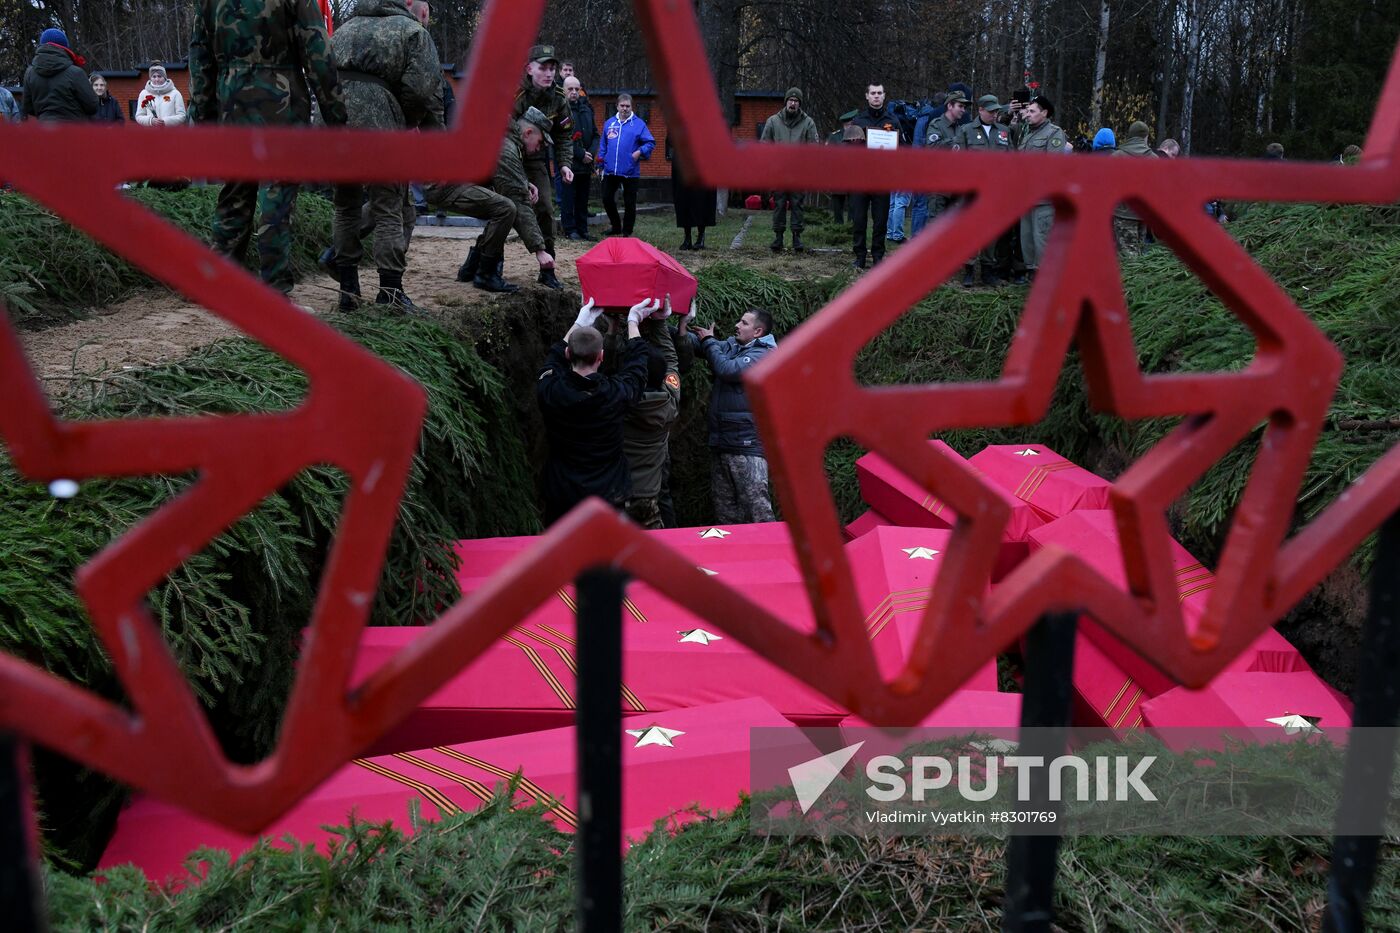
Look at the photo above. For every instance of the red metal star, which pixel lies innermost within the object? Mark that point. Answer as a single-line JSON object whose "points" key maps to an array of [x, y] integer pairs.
{"points": [[363, 416]]}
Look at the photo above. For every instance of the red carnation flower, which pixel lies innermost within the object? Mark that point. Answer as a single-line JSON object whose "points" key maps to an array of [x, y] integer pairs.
{"points": [[1034, 85]]}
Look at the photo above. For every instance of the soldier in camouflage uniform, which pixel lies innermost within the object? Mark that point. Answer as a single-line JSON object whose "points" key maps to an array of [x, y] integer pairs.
{"points": [[392, 76], [249, 64], [988, 134], [504, 204], [943, 133], [1041, 135], [1128, 228], [538, 90]]}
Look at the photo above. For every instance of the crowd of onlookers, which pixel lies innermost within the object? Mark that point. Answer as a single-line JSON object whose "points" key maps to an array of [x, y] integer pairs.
{"points": [[610, 390]]}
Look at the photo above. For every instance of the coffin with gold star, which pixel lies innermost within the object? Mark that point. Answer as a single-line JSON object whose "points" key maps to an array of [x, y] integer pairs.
{"points": [[1245, 705], [1111, 680], [1035, 474], [675, 766], [671, 658], [904, 502], [894, 570]]}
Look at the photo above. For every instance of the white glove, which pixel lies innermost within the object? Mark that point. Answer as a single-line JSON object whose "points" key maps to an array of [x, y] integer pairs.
{"points": [[587, 317], [641, 309], [694, 307], [665, 311]]}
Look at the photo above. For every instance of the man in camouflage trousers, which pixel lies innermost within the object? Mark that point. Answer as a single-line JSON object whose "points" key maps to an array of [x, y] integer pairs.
{"points": [[538, 90], [249, 65], [505, 204], [392, 77], [1128, 228], [738, 471]]}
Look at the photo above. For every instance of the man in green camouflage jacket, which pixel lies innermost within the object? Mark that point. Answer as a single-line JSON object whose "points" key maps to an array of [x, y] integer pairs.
{"points": [[503, 204], [392, 76], [538, 90], [249, 64], [1041, 135]]}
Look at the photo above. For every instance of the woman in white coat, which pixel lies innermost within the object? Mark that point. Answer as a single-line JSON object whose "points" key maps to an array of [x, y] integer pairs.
{"points": [[161, 103]]}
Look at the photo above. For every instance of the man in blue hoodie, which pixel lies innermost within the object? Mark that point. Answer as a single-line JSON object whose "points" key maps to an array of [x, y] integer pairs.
{"points": [[738, 472], [625, 142]]}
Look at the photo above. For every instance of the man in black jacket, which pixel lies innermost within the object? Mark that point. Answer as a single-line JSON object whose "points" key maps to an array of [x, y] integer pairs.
{"points": [[872, 208], [55, 85], [573, 205], [584, 411]]}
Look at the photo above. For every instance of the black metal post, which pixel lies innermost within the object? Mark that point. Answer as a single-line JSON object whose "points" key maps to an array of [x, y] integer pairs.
{"points": [[1045, 709], [599, 729], [21, 902], [1371, 748]]}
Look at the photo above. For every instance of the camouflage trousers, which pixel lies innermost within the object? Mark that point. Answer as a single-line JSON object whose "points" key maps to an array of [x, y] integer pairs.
{"points": [[482, 203], [389, 215], [537, 174], [1130, 234], [739, 487], [233, 227], [645, 512]]}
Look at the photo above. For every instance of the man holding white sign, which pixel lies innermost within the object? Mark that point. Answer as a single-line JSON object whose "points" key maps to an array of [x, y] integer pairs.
{"points": [[881, 132]]}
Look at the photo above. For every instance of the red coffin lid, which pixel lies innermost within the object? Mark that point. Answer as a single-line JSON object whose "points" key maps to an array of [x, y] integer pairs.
{"points": [[621, 271]]}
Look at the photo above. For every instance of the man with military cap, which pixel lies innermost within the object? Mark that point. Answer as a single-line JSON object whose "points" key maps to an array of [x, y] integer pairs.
{"points": [[987, 134], [789, 125], [1128, 228], [249, 64], [1041, 135], [392, 76], [838, 201], [504, 204], [942, 134], [537, 89]]}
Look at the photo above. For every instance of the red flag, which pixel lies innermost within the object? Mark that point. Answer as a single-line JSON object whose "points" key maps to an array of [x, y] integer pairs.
{"points": [[326, 12]]}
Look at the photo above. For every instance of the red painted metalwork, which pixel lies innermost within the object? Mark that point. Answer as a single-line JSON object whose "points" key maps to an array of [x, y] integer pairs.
{"points": [[363, 417]]}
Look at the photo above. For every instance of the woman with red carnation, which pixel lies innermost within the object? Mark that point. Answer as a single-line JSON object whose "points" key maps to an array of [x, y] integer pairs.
{"points": [[161, 103]]}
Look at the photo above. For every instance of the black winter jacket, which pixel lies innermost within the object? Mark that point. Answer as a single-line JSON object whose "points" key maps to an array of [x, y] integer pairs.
{"points": [[55, 88], [583, 418]]}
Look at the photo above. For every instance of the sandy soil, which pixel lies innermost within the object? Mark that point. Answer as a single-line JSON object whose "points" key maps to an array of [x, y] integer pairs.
{"points": [[155, 324]]}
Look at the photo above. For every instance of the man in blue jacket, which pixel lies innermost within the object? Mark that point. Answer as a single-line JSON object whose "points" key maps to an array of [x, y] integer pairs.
{"points": [[625, 142], [738, 472]]}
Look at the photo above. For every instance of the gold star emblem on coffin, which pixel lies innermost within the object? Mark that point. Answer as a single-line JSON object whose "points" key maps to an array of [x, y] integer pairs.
{"points": [[697, 636], [654, 735], [921, 553], [715, 533], [1028, 452], [1293, 724], [707, 571]]}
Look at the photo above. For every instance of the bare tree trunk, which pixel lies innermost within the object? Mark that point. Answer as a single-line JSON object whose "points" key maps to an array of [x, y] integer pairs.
{"points": [[719, 24], [1193, 63], [1100, 63]]}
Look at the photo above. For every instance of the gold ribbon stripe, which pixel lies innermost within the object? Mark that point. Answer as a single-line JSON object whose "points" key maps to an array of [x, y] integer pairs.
{"points": [[530, 787], [429, 793], [627, 695]]}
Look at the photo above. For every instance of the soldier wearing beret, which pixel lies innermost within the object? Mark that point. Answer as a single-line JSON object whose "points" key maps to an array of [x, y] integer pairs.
{"points": [[537, 89], [1041, 135]]}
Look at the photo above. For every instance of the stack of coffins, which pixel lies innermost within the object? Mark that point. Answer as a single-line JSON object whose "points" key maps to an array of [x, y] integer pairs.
{"points": [[676, 766], [895, 499], [1112, 682]]}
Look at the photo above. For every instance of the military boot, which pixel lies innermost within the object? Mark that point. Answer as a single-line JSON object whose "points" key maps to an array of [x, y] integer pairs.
{"points": [[488, 278], [797, 246], [391, 293], [549, 279], [777, 244], [467, 271], [348, 274]]}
